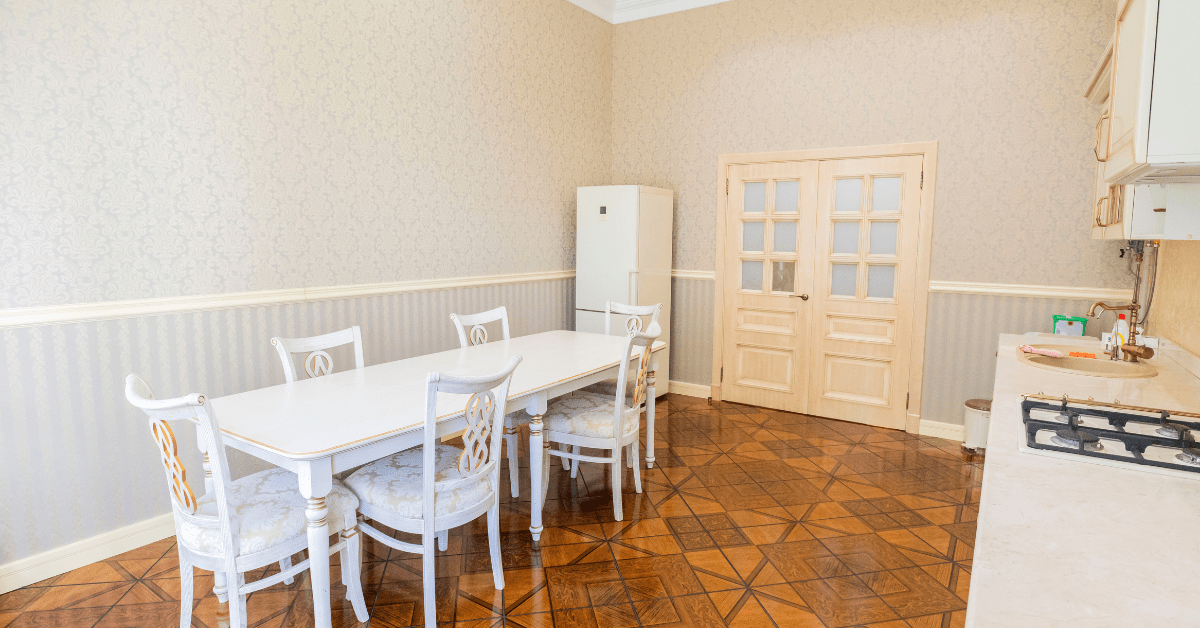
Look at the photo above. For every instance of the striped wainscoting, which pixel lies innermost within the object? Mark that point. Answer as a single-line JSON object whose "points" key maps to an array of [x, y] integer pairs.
{"points": [[960, 343], [692, 330], [78, 458]]}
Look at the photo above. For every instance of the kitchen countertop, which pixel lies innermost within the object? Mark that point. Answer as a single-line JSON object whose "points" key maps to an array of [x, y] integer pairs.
{"points": [[1066, 543]]}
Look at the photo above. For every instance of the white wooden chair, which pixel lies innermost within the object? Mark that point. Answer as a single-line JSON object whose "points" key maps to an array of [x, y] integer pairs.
{"points": [[317, 362], [583, 419], [430, 489], [471, 332], [633, 323], [240, 525]]}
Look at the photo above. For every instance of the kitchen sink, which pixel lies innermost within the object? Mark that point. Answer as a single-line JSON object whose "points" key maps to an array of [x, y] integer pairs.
{"points": [[1100, 366]]}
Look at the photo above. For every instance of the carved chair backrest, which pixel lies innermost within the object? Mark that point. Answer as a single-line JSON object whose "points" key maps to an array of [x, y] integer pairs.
{"points": [[637, 347], [484, 413], [470, 327], [188, 412], [317, 362], [633, 313]]}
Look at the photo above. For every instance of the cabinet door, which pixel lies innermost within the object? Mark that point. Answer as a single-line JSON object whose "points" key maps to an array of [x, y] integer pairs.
{"points": [[1100, 204], [1129, 100]]}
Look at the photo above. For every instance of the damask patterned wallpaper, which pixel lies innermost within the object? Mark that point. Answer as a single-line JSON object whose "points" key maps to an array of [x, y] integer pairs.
{"points": [[998, 84], [161, 147]]}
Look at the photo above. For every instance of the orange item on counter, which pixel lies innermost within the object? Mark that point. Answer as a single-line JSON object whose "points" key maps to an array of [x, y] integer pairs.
{"points": [[1081, 354]]}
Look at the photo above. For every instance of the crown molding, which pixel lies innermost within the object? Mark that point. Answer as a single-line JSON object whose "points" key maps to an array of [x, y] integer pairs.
{"points": [[621, 11], [631, 10], [602, 9]]}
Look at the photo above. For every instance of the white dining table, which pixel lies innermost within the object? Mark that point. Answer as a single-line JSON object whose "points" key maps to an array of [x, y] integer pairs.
{"points": [[322, 426]]}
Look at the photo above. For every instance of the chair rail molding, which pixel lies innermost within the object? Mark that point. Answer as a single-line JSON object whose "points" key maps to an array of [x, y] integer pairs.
{"points": [[1025, 290], [680, 273], [107, 310], [971, 287]]}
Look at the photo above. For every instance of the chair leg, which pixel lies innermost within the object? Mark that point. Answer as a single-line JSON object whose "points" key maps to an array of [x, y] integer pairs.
{"points": [[632, 457], [514, 470], [545, 479], [443, 540], [429, 580], [617, 472], [493, 517], [574, 463], [566, 462], [185, 592], [237, 601], [352, 572], [285, 565], [637, 468], [220, 587]]}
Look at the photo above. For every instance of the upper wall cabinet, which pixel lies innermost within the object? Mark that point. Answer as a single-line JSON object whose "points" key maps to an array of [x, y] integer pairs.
{"points": [[1153, 130]]}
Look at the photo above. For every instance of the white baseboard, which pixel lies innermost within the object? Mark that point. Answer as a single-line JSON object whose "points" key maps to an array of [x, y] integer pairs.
{"points": [[60, 560], [691, 390], [948, 431]]}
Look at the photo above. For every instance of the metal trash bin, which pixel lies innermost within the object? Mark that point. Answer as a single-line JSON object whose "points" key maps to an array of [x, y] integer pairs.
{"points": [[977, 416]]}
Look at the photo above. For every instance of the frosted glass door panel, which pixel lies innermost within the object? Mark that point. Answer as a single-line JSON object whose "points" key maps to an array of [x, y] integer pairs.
{"points": [[883, 237], [881, 282], [754, 236], [845, 238], [752, 275], [886, 196], [755, 199], [844, 281], [785, 237], [847, 196], [787, 197], [783, 277]]}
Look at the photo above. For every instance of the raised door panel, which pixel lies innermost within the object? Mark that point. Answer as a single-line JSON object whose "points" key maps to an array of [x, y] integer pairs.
{"points": [[766, 367], [857, 379], [768, 275], [1129, 100], [867, 229]]}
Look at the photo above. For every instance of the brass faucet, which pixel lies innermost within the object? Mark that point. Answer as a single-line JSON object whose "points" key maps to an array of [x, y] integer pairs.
{"points": [[1130, 350]]}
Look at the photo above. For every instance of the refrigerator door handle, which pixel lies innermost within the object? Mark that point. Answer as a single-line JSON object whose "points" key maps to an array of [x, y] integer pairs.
{"points": [[633, 275]]}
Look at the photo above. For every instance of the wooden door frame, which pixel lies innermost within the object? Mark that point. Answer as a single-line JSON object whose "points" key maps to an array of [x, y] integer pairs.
{"points": [[928, 153]]}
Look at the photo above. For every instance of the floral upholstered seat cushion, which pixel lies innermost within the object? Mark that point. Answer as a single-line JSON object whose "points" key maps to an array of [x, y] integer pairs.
{"points": [[585, 414], [269, 510], [396, 483], [608, 388]]}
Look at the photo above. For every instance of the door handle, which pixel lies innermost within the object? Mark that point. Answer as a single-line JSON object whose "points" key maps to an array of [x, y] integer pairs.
{"points": [[802, 296]]}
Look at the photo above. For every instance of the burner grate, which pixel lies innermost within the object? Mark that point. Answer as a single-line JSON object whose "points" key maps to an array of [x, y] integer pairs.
{"points": [[1085, 440]]}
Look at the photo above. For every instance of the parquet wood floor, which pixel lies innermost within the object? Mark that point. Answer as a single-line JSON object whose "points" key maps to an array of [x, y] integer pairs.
{"points": [[750, 518]]}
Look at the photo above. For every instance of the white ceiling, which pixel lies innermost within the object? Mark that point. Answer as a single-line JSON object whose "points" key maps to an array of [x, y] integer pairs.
{"points": [[618, 11]]}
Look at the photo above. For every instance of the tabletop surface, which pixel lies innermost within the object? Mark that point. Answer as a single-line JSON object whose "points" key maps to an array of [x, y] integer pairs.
{"points": [[315, 417]]}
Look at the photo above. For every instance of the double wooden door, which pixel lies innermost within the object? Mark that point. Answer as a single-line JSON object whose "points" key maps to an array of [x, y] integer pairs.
{"points": [[820, 269]]}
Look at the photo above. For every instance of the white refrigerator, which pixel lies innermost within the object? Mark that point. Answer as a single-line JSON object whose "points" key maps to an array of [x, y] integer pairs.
{"points": [[623, 254]]}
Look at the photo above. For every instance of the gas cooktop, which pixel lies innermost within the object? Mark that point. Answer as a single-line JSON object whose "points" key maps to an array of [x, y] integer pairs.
{"points": [[1101, 431]]}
